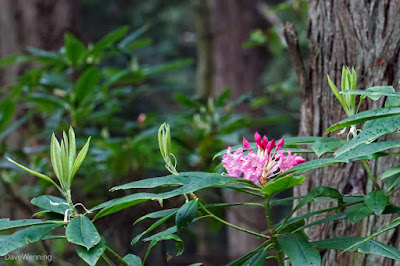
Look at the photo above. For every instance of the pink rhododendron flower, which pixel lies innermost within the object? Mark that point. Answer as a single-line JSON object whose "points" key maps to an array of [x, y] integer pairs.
{"points": [[261, 166]]}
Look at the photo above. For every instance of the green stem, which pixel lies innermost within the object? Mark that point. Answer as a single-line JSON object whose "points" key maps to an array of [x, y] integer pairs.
{"points": [[370, 174], [70, 203], [117, 256], [271, 230], [109, 262], [229, 224]]}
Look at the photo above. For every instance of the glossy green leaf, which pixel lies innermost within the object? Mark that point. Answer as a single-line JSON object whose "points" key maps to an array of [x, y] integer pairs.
{"points": [[42, 176], [335, 217], [74, 49], [370, 134], [376, 201], [186, 214], [374, 92], [357, 212], [6, 224], [257, 259], [54, 204], [132, 260], [157, 214], [324, 145], [168, 66], [320, 192], [395, 171], [93, 255], [364, 116], [367, 149], [187, 182], [299, 250], [152, 227], [81, 231], [86, 84], [312, 165], [240, 261], [368, 247], [55, 156], [24, 237], [392, 181], [281, 184], [293, 227], [178, 240], [49, 215]]}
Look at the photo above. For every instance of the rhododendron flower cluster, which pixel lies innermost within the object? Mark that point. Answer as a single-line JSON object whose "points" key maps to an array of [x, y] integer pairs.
{"points": [[260, 166]]}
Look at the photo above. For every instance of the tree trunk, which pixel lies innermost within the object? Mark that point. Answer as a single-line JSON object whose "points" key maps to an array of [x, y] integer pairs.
{"points": [[363, 34], [239, 70]]}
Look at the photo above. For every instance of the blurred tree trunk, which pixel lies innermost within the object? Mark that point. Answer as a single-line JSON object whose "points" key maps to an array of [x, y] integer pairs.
{"points": [[222, 26], [363, 34], [38, 23]]}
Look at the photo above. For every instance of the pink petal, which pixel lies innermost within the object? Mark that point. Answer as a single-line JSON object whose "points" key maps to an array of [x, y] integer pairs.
{"points": [[265, 141], [246, 144], [257, 138], [270, 146], [280, 144]]}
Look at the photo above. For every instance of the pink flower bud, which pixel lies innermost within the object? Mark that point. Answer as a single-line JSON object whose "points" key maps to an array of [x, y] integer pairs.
{"points": [[141, 118], [265, 142], [280, 143], [246, 144], [270, 146], [257, 138]]}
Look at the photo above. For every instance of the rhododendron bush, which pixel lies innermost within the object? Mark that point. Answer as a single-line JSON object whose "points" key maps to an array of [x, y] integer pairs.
{"points": [[262, 168]]}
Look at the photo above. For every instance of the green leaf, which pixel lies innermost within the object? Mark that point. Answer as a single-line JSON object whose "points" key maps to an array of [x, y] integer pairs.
{"points": [[299, 250], [47, 102], [179, 244], [42, 176], [368, 247], [55, 156], [395, 171], [311, 165], [7, 108], [257, 259], [188, 182], [13, 127], [374, 92], [186, 214], [281, 184], [79, 159], [376, 201], [193, 180], [93, 255], [24, 237], [357, 212], [157, 214], [81, 231], [74, 49], [86, 83], [335, 217], [364, 116], [324, 145], [106, 42], [6, 224], [370, 134], [240, 261], [152, 227], [367, 149], [51, 203], [132, 260], [392, 181], [132, 36], [320, 192], [13, 59], [336, 92], [168, 66]]}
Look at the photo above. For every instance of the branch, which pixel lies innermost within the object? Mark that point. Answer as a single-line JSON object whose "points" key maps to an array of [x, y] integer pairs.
{"points": [[292, 41]]}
